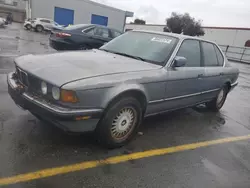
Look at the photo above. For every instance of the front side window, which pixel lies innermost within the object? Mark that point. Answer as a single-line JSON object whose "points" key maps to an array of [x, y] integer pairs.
{"points": [[190, 49], [210, 57], [151, 47]]}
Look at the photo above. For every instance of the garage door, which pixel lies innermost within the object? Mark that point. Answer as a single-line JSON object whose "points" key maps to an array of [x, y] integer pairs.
{"points": [[64, 16], [100, 20]]}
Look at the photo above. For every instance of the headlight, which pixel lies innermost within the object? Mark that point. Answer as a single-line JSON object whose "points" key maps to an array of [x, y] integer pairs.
{"points": [[44, 88], [56, 93]]}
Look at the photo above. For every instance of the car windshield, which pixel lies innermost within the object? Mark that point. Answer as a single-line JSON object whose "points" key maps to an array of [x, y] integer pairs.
{"points": [[150, 47]]}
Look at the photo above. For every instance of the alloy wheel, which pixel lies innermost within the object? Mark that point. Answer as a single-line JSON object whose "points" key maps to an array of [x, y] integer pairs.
{"points": [[123, 123]]}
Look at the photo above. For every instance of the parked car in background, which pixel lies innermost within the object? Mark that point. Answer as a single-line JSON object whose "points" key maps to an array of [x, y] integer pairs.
{"points": [[109, 90], [44, 24], [82, 37], [27, 24]]}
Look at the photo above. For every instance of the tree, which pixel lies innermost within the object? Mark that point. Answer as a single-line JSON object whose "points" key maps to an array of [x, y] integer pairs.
{"points": [[183, 23], [139, 21], [165, 29]]}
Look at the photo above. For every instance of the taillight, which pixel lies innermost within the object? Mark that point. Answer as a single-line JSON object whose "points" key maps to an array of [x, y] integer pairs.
{"points": [[61, 35]]}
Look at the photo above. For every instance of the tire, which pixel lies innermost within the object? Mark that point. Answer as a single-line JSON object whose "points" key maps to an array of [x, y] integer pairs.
{"points": [[119, 123], [39, 28], [217, 103], [28, 27]]}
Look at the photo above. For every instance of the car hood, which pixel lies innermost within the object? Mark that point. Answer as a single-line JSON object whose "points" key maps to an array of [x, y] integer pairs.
{"points": [[61, 68]]}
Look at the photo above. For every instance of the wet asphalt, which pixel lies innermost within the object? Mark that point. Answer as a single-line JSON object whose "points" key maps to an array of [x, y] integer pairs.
{"points": [[28, 145]]}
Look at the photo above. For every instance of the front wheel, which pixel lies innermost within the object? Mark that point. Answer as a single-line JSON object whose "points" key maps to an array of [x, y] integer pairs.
{"points": [[217, 103], [120, 122]]}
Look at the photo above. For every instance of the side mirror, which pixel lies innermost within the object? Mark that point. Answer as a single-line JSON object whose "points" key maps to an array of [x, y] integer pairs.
{"points": [[180, 61]]}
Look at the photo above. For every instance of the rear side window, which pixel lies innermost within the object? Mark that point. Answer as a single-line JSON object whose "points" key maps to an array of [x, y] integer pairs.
{"points": [[90, 31], [210, 57], [219, 56], [102, 32], [190, 49]]}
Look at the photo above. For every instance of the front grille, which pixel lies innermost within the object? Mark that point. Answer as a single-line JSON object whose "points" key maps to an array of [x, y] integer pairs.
{"points": [[33, 84], [23, 77], [29, 81]]}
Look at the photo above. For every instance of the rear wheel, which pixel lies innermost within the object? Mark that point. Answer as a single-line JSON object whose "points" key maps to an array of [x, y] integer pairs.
{"points": [[39, 28], [120, 122], [217, 103]]}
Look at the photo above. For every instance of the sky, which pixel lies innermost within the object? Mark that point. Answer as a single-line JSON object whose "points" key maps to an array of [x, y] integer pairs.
{"points": [[226, 13]]}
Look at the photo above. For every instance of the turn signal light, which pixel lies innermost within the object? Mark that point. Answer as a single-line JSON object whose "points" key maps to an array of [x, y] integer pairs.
{"points": [[68, 96], [61, 35], [82, 118]]}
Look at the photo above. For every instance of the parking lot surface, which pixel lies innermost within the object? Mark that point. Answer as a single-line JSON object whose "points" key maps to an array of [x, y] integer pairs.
{"points": [[27, 145]]}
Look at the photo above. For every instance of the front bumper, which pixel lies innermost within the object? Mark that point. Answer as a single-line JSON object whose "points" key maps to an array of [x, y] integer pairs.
{"points": [[63, 118], [233, 85]]}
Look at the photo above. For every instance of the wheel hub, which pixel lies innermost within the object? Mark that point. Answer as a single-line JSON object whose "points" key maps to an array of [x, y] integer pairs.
{"points": [[123, 123]]}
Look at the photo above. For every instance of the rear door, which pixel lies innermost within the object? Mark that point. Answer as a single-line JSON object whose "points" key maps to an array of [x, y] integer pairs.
{"points": [[213, 61]]}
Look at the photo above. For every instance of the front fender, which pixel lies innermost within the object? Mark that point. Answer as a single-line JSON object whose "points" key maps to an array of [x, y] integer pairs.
{"points": [[116, 91]]}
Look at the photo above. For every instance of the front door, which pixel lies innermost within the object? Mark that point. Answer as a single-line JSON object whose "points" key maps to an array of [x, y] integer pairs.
{"points": [[184, 84]]}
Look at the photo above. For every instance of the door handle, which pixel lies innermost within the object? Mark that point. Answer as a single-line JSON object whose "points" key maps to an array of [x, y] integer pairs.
{"points": [[221, 74]]}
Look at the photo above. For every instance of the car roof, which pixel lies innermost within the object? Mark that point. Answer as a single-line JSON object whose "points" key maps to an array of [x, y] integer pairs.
{"points": [[179, 36]]}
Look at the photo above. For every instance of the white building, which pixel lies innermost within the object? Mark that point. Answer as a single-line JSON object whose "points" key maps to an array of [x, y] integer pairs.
{"points": [[221, 35], [67, 12], [16, 7]]}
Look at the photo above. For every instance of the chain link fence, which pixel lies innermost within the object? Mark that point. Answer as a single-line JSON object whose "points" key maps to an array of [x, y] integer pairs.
{"points": [[234, 53]]}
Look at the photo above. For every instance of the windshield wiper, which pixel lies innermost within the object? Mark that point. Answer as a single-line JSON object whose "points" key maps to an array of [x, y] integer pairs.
{"points": [[131, 56], [127, 55]]}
